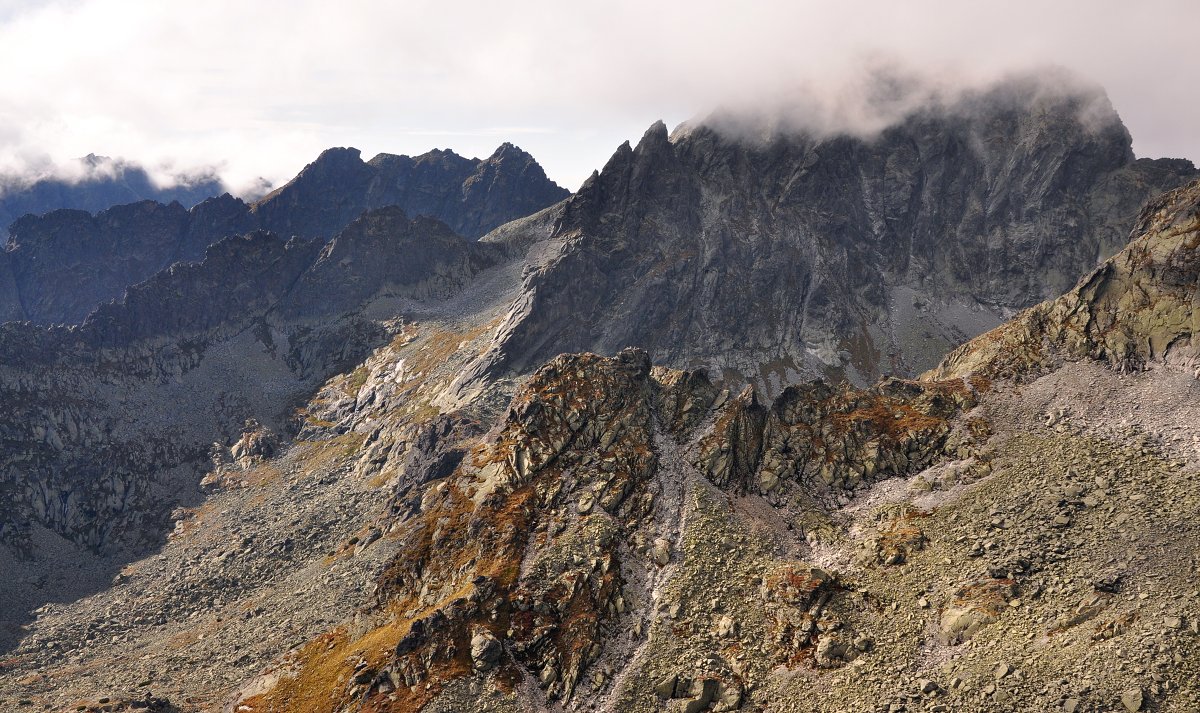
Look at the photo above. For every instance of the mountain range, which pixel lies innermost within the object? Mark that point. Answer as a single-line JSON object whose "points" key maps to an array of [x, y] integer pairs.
{"points": [[757, 419], [59, 266]]}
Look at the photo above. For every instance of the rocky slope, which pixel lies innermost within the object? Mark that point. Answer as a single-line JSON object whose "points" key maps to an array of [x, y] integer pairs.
{"points": [[58, 267], [68, 388], [109, 425], [766, 256], [629, 538]]}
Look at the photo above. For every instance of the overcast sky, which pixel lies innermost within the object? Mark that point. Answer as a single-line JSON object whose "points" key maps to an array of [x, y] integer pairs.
{"points": [[258, 88]]}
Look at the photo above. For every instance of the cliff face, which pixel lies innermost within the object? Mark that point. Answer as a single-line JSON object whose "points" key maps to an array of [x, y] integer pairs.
{"points": [[58, 267], [1137, 308], [769, 256]]}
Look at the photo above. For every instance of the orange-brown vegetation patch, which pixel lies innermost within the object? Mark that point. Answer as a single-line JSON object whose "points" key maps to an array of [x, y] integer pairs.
{"points": [[451, 544], [319, 457], [991, 594], [900, 537], [435, 347]]}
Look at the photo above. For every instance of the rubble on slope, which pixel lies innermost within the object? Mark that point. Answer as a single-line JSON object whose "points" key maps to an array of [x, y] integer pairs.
{"points": [[541, 554]]}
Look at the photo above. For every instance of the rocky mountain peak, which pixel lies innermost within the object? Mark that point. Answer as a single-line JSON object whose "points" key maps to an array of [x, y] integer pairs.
{"points": [[655, 136], [94, 183], [509, 150], [59, 266], [465, 193], [841, 255], [333, 160]]}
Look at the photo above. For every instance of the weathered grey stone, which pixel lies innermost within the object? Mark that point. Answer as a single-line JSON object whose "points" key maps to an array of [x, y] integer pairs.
{"points": [[1133, 699], [485, 650]]}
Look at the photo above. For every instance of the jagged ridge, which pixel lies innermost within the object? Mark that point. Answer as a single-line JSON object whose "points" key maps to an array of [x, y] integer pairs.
{"points": [[770, 258], [69, 435], [56, 268]]}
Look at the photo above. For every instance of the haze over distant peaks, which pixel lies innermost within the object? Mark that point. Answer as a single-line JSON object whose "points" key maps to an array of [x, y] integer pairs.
{"points": [[94, 183]]}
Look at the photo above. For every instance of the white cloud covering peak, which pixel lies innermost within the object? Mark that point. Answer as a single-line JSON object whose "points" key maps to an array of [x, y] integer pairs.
{"points": [[259, 88]]}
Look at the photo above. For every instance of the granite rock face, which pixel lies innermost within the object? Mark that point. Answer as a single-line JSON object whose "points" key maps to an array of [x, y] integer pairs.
{"points": [[764, 256]]}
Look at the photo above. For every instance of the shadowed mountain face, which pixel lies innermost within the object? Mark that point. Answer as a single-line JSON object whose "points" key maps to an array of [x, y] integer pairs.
{"points": [[104, 183], [65, 263], [1138, 308], [59, 266], [768, 256], [472, 196], [243, 333], [108, 425]]}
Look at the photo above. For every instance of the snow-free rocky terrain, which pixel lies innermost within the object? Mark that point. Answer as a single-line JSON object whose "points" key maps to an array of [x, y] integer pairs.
{"points": [[359, 476]]}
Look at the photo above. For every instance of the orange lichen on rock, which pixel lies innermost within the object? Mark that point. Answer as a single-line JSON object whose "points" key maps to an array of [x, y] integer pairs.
{"points": [[899, 538], [842, 438], [975, 605], [802, 630]]}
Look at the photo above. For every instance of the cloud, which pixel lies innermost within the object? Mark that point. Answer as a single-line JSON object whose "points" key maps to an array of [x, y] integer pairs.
{"points": [[879, 95], [258, 89], [34, 168]]}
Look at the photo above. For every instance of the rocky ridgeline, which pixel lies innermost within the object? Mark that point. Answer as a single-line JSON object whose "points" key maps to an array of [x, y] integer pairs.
{"points": [[471, 195], [538, 557], [94, 425], [832, 440], [1137, 308], [775, 256], [60, 265], [57, 267]]}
